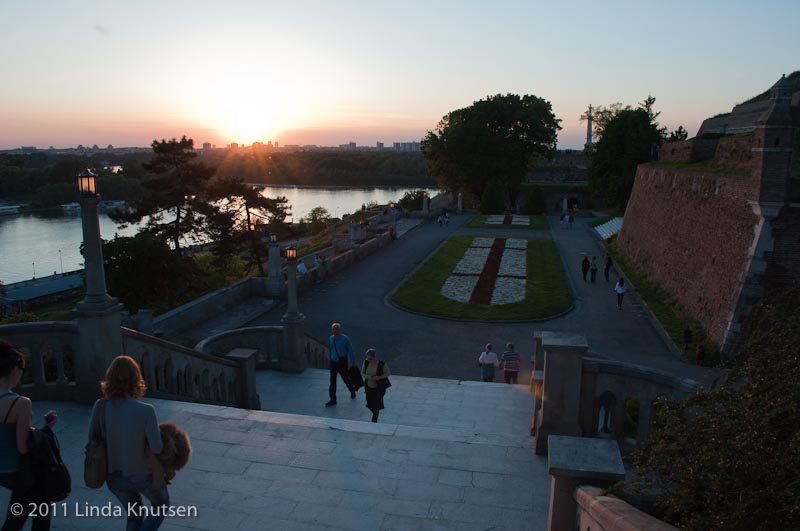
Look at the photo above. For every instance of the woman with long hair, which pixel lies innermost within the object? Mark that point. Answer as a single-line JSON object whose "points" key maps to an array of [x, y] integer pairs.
{"points": [[130, 429], [373, 371], [16, 412]]}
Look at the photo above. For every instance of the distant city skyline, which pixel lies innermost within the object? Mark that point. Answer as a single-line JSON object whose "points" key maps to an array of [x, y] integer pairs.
{"points": [[324, 73]]}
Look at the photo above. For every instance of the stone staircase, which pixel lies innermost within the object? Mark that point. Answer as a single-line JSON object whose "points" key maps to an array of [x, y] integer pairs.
{"points": [[446, 455]]}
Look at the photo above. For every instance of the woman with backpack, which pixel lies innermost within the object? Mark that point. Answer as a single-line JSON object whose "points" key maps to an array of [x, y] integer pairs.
{"points": [[376, 381], [16, 412]]}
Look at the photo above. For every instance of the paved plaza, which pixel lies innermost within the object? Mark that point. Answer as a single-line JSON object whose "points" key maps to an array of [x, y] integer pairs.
{"points": [[445, 456]]}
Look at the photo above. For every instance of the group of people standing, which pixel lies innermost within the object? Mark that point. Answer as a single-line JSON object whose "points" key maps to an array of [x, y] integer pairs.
{"points": [[140, 455], [591, 268]]}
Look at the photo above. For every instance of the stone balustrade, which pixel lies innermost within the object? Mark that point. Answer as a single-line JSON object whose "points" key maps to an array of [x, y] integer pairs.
{"points": [[179, 373], [580, 396], [316, 352], [49, 349], [266, 340]]}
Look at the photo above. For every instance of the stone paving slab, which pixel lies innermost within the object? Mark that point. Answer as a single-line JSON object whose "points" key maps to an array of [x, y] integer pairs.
{"points": [[263, 470]]}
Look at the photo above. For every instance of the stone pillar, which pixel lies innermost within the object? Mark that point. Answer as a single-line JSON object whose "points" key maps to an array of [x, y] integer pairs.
{"points": [[294, 357], [575, 461], [460, 207], [275, 283], [425, 204], [98, 314], [564, 204], [245, 358], [561, 387]]}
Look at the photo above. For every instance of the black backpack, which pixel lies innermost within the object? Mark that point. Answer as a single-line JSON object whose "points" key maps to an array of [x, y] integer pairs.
{"points": [[44, 468]]}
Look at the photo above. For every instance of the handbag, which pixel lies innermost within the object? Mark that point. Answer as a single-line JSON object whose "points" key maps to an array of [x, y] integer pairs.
{"points": [[95, 462], [384, 383], [356, 380]]}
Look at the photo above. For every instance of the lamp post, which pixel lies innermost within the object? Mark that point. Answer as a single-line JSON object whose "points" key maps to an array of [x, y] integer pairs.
{"points": [[61, 261], [98, 315], [253, 229], [460, 207], [425, 203], [294, 358]]}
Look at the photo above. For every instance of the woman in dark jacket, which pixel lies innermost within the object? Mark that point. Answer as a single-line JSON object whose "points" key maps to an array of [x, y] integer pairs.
{"points": [[373, 371]]}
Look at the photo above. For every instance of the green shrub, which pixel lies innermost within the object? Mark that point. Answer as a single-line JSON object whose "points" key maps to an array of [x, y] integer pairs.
{"points": [[412, 200]]}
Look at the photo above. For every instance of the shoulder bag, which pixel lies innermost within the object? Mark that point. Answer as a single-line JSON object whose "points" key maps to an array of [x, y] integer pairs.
{"points": [[95, 463]]}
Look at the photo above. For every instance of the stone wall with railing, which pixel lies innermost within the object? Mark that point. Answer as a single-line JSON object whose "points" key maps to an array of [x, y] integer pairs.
{"points": [[49, 349], [589, 397], [170, 370], [179, 373]]}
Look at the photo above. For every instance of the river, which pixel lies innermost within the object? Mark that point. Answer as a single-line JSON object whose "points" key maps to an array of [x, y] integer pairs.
{"points": [[42, 243]]}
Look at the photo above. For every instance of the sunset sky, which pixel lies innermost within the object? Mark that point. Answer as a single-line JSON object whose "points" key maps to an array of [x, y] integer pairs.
{"points": [[329, 72]]}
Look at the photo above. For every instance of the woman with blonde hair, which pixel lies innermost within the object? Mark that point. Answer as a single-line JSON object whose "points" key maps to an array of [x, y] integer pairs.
{"points": [[129, 428]]}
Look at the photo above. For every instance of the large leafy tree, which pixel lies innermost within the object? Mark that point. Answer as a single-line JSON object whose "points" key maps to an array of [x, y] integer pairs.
{"points": [[175, 201], [629, 138], [491, 141], [729, 458]]}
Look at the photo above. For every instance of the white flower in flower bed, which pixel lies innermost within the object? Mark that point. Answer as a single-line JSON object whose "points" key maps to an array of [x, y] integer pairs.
{"points": [[473, 261], [459, 288], [516, 243], [508, 290], [482, 242], [494, 220], [513, 263], [521, 220]]}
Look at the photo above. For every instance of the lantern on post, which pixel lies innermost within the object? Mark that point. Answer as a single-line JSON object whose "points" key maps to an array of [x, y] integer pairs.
{"points": [[86, 184]]}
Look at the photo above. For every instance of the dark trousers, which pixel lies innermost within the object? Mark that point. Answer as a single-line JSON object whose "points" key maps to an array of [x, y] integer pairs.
{"points": [[338, 368], [594, 275], [619, 299], [584, 271], [606, 271], [510, 376], [15, 523]]}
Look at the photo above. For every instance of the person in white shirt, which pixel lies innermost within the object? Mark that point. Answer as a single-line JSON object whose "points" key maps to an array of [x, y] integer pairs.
{"points": [[488, 361], [620, 290]]}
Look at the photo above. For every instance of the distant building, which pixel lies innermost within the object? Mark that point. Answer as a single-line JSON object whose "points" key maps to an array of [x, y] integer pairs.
{"points": [[379, 146], [351, 146], [407, 147], [206, 146]]}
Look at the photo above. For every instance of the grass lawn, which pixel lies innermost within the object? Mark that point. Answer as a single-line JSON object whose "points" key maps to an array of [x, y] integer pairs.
{"points": [[537, 222], [546, 292], [667, 310]]}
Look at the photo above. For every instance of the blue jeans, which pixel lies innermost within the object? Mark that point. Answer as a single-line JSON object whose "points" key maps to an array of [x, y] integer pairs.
{"points": [[129, 491]]}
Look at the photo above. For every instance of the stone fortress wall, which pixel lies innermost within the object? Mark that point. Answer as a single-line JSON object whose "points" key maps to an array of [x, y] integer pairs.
{"points": [[716, 221]]}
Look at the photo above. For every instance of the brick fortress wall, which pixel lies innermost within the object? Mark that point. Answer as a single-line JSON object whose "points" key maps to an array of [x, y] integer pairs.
{"points": [[692, 232]]}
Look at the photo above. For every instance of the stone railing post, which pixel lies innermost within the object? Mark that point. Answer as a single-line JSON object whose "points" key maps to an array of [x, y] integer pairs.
{"points": [[246, 360], [574, 461], [561, 387], [275, 275], [293, 358]]}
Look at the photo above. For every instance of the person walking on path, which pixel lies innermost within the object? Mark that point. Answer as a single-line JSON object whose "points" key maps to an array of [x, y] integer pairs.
{"points": [[594, 269], [341, 357], [373, 371], [488, 361], [510, 361], [620, 290], [585, 266], [17, 412], [130, 429], [607, 268]]}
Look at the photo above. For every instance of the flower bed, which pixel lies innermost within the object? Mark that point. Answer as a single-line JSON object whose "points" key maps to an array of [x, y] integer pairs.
{"points": [[489, 279], [510, 222]]}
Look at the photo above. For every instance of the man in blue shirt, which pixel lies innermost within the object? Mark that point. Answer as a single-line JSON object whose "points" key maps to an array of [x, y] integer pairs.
{"points": [[341, 357]]}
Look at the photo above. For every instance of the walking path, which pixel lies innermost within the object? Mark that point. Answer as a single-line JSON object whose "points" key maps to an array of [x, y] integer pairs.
{"points": [[417, 345]]}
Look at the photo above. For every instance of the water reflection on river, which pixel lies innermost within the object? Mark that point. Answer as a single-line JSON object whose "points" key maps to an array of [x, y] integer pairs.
{"points": [[49, 241]]}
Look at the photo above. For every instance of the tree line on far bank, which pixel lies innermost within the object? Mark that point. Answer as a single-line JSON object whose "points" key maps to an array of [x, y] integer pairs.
{"points": [[47, 180]]}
